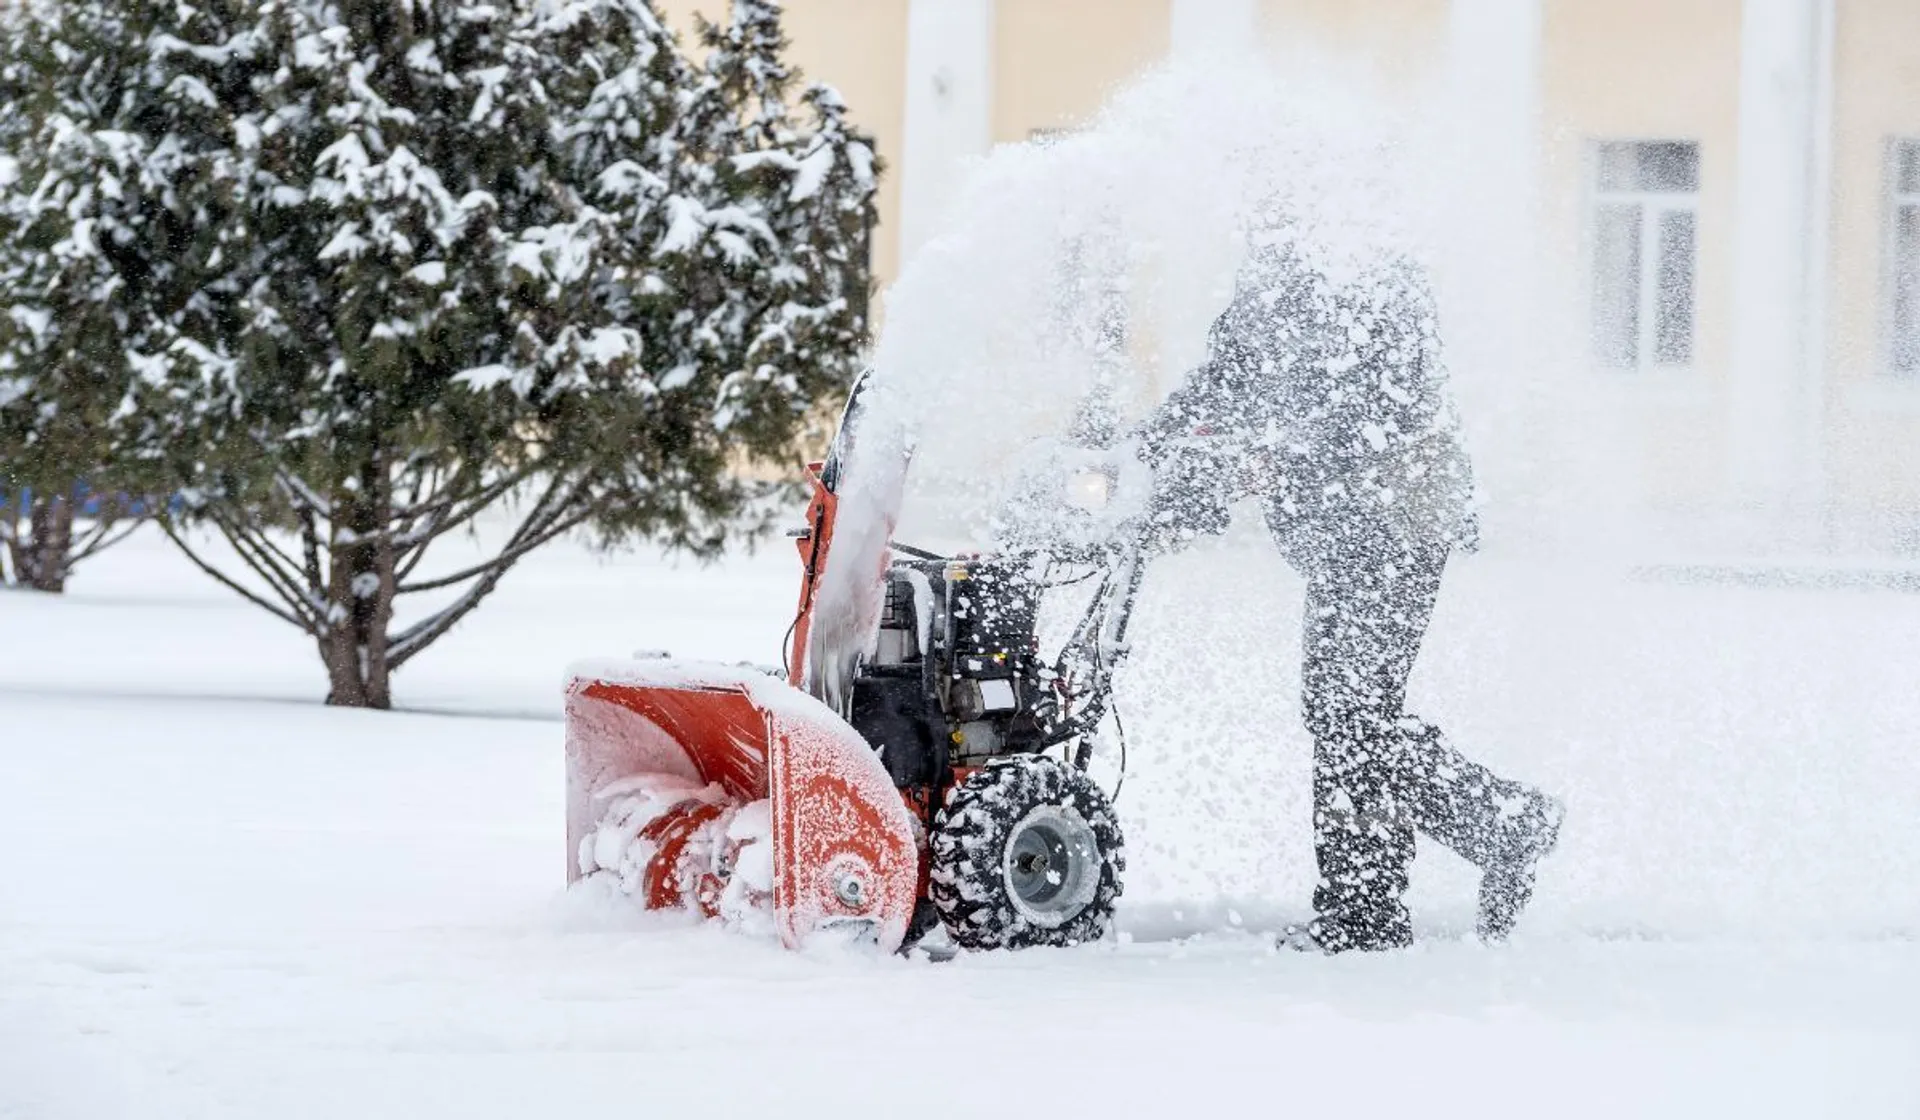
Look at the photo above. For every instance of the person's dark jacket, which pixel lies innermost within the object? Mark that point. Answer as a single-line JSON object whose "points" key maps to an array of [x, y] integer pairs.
{"points": [[1327, 395]]}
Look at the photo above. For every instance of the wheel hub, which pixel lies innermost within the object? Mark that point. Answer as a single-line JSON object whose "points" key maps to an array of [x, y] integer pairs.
{"points": [[1052, 865]]}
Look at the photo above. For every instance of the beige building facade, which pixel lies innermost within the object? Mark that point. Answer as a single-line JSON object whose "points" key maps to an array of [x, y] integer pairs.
{"points": [[1708, 211]]}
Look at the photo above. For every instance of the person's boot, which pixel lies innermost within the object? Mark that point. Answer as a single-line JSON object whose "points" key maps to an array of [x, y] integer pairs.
{"points": [[1331, 933], [1506, 885]]}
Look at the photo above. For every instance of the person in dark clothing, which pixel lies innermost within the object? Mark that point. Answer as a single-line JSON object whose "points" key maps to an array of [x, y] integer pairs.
{"points": [[1324, 392]]}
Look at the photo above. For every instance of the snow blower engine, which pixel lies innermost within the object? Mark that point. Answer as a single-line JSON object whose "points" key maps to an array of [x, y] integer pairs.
{"points": [[933, 776]]}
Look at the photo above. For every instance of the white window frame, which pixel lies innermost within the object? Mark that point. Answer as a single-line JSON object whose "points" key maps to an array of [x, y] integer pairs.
{"points": [[1653, 206], [1897, 200]]}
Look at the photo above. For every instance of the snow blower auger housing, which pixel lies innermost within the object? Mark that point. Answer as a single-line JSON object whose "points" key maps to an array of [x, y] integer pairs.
{"points": [[940, 779]]}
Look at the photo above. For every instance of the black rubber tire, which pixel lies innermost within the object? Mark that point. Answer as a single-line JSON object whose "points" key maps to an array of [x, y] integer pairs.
{"points": [[968, 882], [926, 919]]}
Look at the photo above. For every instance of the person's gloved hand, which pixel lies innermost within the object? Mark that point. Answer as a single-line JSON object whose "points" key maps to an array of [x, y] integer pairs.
{"points": [[1193, 492], [1194, 445]]}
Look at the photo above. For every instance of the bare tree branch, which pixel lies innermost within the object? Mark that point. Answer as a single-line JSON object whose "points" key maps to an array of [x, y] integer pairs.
{"points": [[101, 538], [83, 538], [416, 638], [444, 493], [301, 494], [283, 559], [230, 584], [407, 559], [544, 521], [266, 562], [507, 556], [466, 507], [415, 549]]}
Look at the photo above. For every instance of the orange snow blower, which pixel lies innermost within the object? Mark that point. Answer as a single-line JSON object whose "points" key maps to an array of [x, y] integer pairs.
{"points": [[928, 771]]}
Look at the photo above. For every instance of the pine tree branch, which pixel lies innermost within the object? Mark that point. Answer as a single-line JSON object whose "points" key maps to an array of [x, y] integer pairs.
{"points": [[281, 572], [284, 561], [273, 565], [419, 637], [79, 545], [417, 552], [101, 537], [420, 485], [507, 556], [222, 577], [449, 492], [442, 495], [302, 495], [307, 607], [412, 542], [407, 559], [542, 524], [468, 506], [416, 638]]}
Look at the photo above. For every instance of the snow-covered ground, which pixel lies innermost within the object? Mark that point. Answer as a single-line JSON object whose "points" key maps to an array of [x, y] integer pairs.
{"points": [[221, 899]]}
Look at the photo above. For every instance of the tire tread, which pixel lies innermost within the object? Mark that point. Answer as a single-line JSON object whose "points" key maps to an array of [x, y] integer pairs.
{"points": [[970, 834]]}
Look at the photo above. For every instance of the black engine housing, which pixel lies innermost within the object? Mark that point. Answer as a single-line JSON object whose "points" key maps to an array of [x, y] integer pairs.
{"points": [[955, 679]]}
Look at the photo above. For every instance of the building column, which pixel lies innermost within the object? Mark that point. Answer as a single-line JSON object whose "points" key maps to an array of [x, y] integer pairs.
{"points": [[1489, 161], [1200, 33], [949, 110], [1776, 379], [1485, 154], [1200, 27]]}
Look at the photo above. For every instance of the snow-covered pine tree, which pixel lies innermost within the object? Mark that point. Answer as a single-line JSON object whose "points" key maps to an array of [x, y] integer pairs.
{"points": [[746, 79], [96, 252], [809, 190], [819, 191], [397, 185], [482, 267]]}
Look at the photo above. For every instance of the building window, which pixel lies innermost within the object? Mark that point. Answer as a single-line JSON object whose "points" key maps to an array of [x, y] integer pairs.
{"points": [[1645, 252], [1903, 257]]}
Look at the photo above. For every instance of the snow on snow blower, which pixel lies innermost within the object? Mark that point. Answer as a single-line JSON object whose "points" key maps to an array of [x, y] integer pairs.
{"points": [[922, 763]]}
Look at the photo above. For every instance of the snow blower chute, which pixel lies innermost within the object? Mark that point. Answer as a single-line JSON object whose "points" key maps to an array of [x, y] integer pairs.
{"points": [[920, 765]]}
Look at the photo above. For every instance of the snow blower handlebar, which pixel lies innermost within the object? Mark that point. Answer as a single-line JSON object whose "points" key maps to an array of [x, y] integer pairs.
{"points": [[1096, 649]]}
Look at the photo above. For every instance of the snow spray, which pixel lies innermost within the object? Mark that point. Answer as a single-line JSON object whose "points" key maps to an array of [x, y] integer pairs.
{"points": [[1071, 288]]}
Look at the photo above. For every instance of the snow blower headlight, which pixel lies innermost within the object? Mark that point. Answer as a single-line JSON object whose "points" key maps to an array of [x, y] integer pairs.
{"points": [[1089, 490]]}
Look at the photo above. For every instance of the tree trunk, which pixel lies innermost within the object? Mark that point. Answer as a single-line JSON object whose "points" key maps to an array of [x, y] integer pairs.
{"points": [[360, 593], [49, 544], [13, 566]]}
